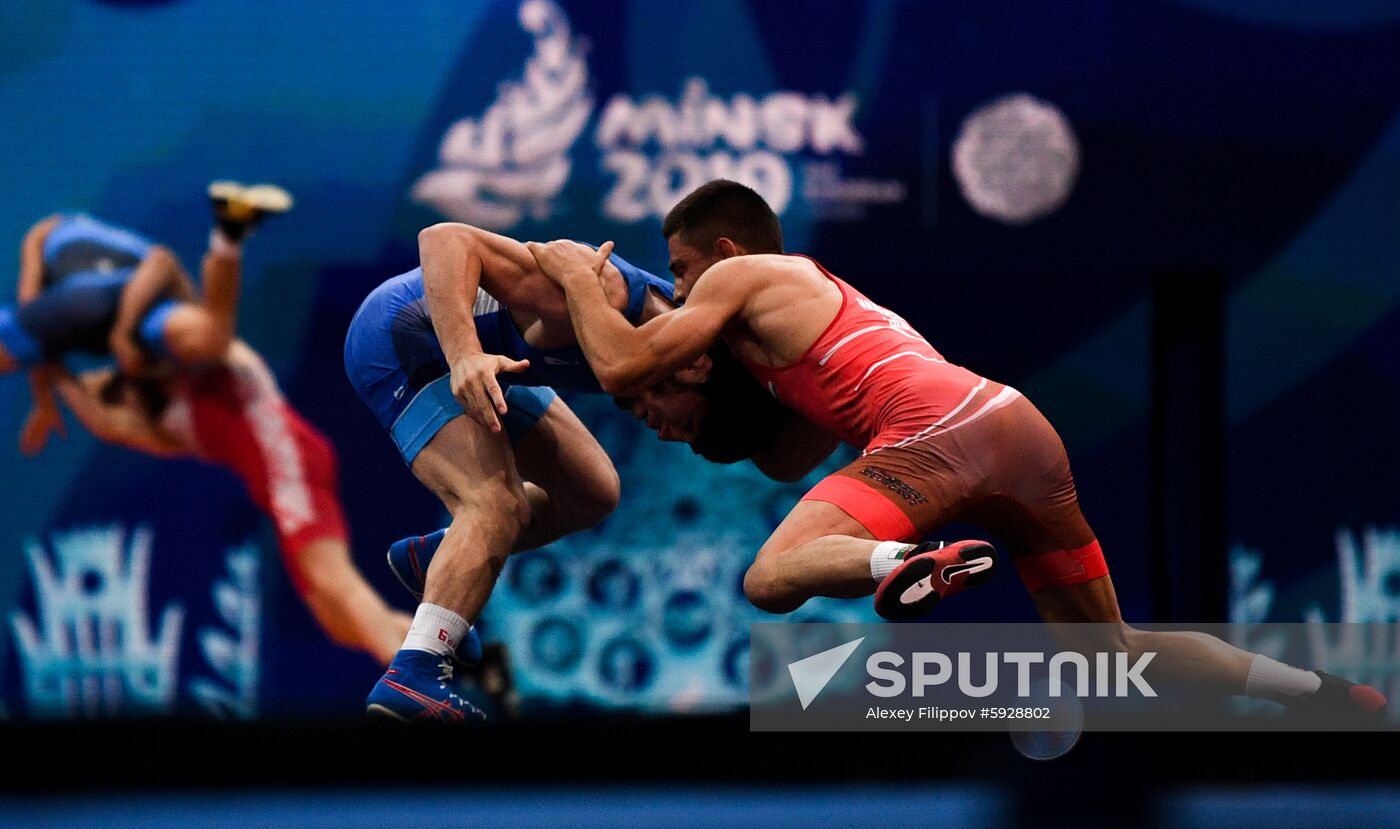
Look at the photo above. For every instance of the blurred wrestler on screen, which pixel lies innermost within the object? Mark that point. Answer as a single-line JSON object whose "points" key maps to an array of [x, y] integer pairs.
{"points": [[186, 386], [940, 444]]}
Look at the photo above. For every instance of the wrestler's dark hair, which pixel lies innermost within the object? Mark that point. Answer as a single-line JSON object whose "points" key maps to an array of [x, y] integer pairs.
{"points": [[150, 393], [729, 209], [742, 418]]}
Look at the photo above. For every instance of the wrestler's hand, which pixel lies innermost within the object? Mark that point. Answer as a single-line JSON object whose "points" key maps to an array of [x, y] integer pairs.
{"points": [[475, 386], [130, 359], [43, 420], [564, 258]]}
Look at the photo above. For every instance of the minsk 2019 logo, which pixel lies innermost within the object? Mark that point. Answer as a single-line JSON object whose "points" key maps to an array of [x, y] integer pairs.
{"points": [[513, 160]]}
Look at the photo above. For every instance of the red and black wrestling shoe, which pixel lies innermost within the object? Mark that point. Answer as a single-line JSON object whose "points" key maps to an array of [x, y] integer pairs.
{"points": [[931, 572]]}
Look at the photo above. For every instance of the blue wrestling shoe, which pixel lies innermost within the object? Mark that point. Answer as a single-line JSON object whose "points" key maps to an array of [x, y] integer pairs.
{"points": [[419, 687], [409, 559]]}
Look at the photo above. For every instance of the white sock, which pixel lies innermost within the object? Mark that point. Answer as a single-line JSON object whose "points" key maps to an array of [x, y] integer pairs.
{"points": [[435, 630], [221, 244], [1271, 679], [886, 556]]}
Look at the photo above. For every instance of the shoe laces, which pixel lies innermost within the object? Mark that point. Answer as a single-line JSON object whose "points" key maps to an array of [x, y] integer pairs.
{"points": [[446, 669]]}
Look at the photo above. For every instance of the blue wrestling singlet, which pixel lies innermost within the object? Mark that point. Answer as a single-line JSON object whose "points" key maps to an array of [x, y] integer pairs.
{"points": [[87, 263], [396, 364], [80, 244]]}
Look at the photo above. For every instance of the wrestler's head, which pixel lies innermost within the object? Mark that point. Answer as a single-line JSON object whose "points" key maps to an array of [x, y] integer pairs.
{"points": [[674, 409], [716, 221], [147, 393], [715, 405]]}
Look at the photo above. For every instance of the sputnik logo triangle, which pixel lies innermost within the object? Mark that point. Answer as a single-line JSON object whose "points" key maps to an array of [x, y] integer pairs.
{"points": [[811, 675]]}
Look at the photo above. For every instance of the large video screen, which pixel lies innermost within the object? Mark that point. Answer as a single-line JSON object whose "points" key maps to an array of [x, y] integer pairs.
{"points": [[1013, 180]]}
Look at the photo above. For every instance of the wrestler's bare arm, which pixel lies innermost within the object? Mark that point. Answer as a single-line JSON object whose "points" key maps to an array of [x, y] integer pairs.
{"points": [[158, 274], [627, 360], [457, 259], [31, 259]]}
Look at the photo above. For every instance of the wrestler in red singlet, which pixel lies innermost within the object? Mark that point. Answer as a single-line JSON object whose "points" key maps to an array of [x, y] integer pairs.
{"points": [[873, 381], [940, 444], [234, 416]]}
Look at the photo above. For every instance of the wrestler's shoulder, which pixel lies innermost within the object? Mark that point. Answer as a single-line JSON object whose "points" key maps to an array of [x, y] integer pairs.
{"points": [[761, 268]]}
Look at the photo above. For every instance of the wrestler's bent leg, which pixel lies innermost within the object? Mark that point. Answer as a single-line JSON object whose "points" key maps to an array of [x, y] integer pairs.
{"points": [[571, 482], [1036, 512], [198, 332], [473, 473], [850, 534], [818, 550]]}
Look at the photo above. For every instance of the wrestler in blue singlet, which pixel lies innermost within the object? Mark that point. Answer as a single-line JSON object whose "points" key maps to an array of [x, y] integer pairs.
{"points": [[87, 263], [396, 364]]}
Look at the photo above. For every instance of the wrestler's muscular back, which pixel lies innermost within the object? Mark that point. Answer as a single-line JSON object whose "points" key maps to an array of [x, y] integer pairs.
{"points": [[790, 304]]}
